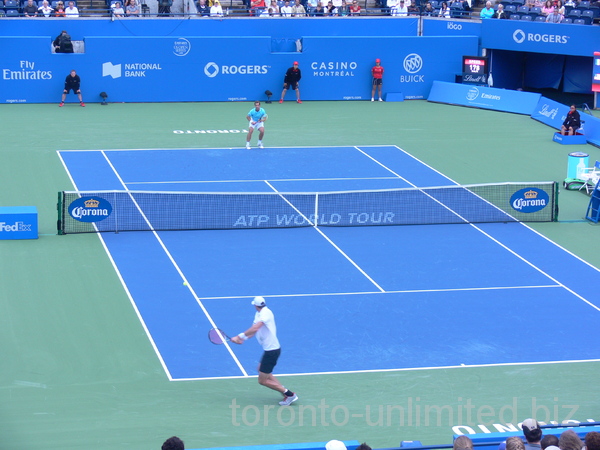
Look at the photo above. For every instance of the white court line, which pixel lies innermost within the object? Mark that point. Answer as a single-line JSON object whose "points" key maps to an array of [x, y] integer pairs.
{"points": [[308, 147], [526, 261], [179, 271], [406, 291], [407, 369], [334, 245], [135, 308], [260, 181]]}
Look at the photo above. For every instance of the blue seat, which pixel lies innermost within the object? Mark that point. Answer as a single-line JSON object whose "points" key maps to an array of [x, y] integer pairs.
{"points": [[575, 14], [510, 9], [11, 4], [584, 4], [567, 20], [526, 17], [578, 22], [539, 19], [12, 13], [523, 9], [535, 11], [588, 16], [518, 3], [515, 17]]}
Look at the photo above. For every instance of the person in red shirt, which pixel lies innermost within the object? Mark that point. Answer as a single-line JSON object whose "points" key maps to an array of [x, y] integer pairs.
{"points": [[377, 72]]}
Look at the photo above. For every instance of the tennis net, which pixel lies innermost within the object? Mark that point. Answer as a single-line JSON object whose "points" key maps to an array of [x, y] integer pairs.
{"points": [[114, 211]]}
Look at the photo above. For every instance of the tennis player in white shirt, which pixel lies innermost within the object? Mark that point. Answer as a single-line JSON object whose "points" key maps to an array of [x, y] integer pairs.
{"points": [[266, 334]]}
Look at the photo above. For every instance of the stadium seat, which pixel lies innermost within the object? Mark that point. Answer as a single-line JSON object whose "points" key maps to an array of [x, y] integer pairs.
{"points": [[515, 17], [584, 4], [567, 20], [523, 9], [11, 4], [510, 9], [12, 13], [526, 17], [575, 14], [518, 3], [579, 22], [434, 4], [588, 16], [535, 11], [539, 19]]}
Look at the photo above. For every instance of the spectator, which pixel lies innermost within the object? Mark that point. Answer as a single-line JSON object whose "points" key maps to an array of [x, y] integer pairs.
{"points": [[463, 443], [72, 82], [445, 11], [286, 9], [487, 12], [256, 7], [363, 446], [548, 8], [132, 9], [554, 17], [331, 10], [60, 10], [45, 10], [319, 11], [500, 13], [514, 443], [568, 439], [164, 7], [273, 9], [392, 7], [311, 5], [560, 8], [298, 10], [355, 8], [428, 10], [62, 43], [173, 443], [71, 10], [118, 10], [592, 440], [413, 10], [217, 11], [402, 9], [549, 440], [335, 445], [30, 10], [570, 125], [343, 10], [533, 434], [203, 8]]}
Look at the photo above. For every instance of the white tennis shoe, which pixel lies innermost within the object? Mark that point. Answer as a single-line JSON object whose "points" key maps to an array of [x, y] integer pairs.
{"points": [[287, 401], [248, 145], [260, 146]]}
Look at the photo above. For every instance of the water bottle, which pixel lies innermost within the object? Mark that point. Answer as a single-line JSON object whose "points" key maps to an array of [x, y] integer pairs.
{"points": [[580, 168]]}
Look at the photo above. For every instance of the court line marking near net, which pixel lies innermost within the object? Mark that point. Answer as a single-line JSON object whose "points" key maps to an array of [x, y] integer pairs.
{"points": [[260, 181], [179, 271], [526, 261], [318, 230], [406, 291]]}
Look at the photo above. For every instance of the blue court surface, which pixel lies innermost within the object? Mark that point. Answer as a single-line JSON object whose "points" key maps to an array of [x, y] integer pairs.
{"points": [[368, 298]]}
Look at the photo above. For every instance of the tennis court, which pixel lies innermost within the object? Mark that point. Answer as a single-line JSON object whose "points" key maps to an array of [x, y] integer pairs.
{"points": [[383, 294]]}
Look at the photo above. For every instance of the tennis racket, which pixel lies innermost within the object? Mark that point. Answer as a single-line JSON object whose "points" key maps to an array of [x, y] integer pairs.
{"points": [[217, 336]]}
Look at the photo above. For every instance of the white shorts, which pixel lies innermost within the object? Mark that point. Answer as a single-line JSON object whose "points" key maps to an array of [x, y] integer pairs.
{"points": [[257, 126]]}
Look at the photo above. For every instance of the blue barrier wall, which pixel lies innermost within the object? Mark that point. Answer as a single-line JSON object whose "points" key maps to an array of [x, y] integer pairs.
{"points": [[484, 97], [536, 37], [445, 27], [157, 69]]}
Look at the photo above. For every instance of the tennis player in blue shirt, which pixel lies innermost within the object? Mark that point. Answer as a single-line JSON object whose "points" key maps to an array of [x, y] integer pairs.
{"points": [[256, 121]]}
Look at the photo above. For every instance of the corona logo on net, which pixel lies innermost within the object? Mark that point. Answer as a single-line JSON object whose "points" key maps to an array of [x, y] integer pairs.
{"points": [[529, 200], [90, 209]]}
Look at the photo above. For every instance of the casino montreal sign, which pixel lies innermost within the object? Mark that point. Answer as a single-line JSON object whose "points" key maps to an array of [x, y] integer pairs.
{"points": [[519, 36]]}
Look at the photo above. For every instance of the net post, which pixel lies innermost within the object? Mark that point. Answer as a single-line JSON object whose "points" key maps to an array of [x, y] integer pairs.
{"points": [[59, 209], [555, 210]]}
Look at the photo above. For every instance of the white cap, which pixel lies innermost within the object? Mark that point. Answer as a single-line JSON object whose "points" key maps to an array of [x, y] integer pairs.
{"points": [[335, 445], [259, 301]]}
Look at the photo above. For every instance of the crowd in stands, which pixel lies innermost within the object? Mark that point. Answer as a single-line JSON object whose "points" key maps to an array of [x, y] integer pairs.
{"points": [[553, 11], [532, 439]]}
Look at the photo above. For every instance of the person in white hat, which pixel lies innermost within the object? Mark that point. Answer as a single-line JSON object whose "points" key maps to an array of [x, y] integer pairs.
{"points": [[266, 334]]}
